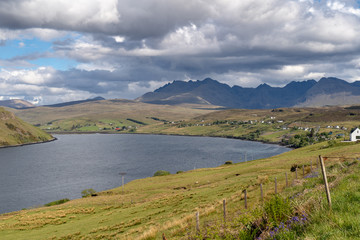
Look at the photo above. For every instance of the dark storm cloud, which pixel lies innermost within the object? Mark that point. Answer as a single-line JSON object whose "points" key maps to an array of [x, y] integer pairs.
{"points": [[125, 46], [135, 19]]}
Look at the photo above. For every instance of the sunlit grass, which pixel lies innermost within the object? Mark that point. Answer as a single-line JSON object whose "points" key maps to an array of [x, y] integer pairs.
{"points": [[166, 204]]}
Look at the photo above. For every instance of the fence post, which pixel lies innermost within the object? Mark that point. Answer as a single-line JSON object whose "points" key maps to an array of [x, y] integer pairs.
{"points": [[303, 171], [296, 176], [197, 223], [163, 236], [224, 209], [245, 198], [275, 185], [261, 193], [311, 169], [317, 165], [287, 183], [323, 170]]}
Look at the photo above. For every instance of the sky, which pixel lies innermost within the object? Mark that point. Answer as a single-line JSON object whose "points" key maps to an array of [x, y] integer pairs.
{"points": [[61, 50]]}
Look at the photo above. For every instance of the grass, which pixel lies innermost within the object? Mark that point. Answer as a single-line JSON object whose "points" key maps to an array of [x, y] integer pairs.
{"points": [[106, 114], [14, 131], [267, 125], [167, 204], [57, 202], [342, 222]]}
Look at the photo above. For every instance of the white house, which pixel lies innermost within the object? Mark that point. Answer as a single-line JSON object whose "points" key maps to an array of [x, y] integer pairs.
{"points": [[355, 135]]}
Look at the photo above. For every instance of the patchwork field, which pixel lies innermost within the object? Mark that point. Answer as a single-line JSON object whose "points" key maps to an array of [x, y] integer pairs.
{"points": [[107, 115]]}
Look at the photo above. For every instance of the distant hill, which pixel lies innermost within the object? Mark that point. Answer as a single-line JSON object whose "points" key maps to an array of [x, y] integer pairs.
{"points": [[16, 103], [107, 115], [14, 131], [64, 104], [327, 91]]}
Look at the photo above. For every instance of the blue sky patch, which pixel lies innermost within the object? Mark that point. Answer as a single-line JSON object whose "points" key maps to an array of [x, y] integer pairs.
{"points": [[57, 63]]}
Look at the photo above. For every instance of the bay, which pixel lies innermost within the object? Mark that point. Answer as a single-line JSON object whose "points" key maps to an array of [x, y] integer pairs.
{"points": [[33, 175]]}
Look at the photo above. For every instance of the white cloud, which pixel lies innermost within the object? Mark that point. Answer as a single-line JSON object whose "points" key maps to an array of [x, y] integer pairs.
{"points": [[314, 75], [342, 7], [39, 76], [191, 40], [93, 67], [119, 39]]}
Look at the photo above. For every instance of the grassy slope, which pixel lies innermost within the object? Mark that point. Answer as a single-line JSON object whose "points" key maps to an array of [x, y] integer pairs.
{"points": [[317, 118], [343, 221], [152, 206], [14, 131], [94, 116], [132, 116]]}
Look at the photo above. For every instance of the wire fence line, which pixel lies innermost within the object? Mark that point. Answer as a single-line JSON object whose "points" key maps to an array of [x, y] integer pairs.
{"points": [[310, 170]]}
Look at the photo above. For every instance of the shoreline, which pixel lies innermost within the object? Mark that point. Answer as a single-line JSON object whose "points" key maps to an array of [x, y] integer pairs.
{"points": [[159, 134], [31, 143], [169, 134], [110, 189]]}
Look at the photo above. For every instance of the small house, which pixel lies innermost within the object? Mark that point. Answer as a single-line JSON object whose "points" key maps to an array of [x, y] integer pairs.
{"points": [[355, 135]]}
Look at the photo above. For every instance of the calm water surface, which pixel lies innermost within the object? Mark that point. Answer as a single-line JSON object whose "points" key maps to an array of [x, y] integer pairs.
{"points": [[37, 174]]}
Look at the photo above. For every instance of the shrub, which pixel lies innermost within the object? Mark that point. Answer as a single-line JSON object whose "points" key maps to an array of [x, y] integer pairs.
{"points": [[331, 143], [88, 192], [178, 172], [161, 173], [10, 126], [57, 202], [228, 162], [277, 210], [294, 167]]}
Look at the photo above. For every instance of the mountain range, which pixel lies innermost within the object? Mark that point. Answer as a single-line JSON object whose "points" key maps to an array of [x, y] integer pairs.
{"points": [[310, 93]]}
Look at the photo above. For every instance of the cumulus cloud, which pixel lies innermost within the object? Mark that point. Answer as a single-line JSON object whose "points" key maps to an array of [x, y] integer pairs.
{"points": [[124, 48]]}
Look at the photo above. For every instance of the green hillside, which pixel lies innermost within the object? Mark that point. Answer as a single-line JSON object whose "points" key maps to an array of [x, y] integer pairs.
{"points": [[14, 131], [296, 127], [107, 116]]}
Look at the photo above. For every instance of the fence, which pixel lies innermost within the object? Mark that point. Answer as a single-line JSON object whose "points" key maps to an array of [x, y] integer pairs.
{"points": [[307, 170]]}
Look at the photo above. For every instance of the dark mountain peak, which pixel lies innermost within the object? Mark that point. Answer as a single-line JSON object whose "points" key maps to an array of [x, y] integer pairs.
{"points": [[296, 93], [332, 86], [356, 83], [98, 98], [264, 86], [209, 80], [332, 80], [297, 83], [176, 84]]}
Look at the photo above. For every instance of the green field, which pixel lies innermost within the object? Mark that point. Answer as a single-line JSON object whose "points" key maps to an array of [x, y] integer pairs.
{"points": [[106, 116], [268, 125]]}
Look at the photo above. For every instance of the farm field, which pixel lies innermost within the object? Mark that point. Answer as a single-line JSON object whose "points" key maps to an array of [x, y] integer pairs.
{"points": [[107, 115]]}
